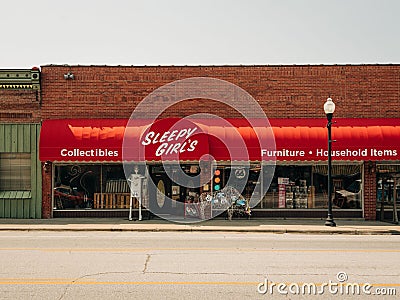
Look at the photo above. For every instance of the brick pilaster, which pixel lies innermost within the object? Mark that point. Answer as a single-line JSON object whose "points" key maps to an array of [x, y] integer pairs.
{"points": [[370, 190], [46, 190]]}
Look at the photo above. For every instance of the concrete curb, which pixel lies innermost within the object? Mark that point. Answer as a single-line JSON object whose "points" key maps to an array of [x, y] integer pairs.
{"points": [[292, 229]]}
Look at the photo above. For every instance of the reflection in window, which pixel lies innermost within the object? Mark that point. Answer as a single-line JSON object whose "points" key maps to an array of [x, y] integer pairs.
{"points": [[386, 181], [306, 186], [15, 171], [160, 193], [83, 186]]}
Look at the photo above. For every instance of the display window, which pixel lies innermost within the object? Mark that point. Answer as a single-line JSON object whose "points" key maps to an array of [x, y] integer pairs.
{"points": [[104, 186], [306, 186], [231, 189], [90, 186], [245, 178]]}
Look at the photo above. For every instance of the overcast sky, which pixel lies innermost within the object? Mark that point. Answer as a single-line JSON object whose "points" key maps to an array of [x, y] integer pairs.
{"points": [[202, 32]]}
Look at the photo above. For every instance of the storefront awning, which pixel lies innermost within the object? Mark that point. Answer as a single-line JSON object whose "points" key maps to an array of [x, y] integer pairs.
{"points": [[287, 140]]}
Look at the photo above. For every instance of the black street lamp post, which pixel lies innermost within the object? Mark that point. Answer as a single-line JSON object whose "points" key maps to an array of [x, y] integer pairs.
{"points": [[329, 108]]}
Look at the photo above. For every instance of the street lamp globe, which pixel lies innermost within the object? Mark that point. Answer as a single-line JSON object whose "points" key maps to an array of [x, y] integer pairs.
{"points": [[329, 106]]}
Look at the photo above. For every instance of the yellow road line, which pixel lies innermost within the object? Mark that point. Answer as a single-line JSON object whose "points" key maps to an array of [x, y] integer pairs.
{"points": [[71, 282]]}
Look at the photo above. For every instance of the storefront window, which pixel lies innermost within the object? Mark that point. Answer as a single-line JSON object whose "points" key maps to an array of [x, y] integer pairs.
{"points": [[15, 171], [245, 179], [306, 186], [168, 190], [85, 186], [104, 186]]}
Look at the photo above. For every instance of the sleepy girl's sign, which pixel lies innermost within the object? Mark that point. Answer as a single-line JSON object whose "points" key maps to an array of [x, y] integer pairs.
{"points": [[174, 140]]}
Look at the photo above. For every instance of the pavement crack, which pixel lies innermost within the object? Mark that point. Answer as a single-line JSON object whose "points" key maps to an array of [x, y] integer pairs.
{"points": [[146, 263], [207, 273], [86, 276]]}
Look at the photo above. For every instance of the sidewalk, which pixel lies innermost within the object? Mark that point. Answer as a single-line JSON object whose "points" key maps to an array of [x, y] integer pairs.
{"points": [[304, 226]]}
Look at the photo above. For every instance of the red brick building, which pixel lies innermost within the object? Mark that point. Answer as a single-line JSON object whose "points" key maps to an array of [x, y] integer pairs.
{"points": [[360, 91], [366, 96]]}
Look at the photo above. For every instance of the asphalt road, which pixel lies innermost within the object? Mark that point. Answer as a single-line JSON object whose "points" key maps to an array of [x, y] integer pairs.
{"points": [[190, 265]]}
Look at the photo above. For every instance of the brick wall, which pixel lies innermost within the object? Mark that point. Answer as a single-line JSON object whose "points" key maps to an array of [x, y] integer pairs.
{"points": [[19, 106], [361, 91], [46, 190], [370, 191]]}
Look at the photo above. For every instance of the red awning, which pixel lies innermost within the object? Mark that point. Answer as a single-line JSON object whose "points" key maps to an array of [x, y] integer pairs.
{"points": [[295, 140], [81, 140]]}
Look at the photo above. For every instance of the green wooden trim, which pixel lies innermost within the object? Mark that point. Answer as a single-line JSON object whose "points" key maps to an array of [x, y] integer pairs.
{"points": [[37, 184], [7, 138], [7, 208], [2, 207], [20, 138], [13, 207], [32, 139], [16, 79], [33, 142], [14, 136], [26, 212], [2, 138], [27, 140], [20, 208], [15, 194]]}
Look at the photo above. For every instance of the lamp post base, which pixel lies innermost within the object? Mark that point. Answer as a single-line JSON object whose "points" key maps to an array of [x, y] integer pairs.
{"points": [[329, 222]]}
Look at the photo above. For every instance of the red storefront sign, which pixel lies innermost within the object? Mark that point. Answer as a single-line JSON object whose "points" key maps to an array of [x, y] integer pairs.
{"points": [[166, 140], [287, 140]]}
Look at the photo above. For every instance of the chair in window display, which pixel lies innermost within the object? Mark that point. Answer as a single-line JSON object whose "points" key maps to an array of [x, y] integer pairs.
{"points": [[67, 197], [72, 190], [349, 197], [58, 201]]}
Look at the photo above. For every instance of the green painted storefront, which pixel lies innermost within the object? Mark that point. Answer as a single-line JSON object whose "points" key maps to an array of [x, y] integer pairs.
{"points": [[20, 140]]}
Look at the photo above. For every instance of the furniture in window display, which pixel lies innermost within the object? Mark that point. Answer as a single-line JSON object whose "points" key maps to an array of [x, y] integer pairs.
{"points": [[116, 195]]}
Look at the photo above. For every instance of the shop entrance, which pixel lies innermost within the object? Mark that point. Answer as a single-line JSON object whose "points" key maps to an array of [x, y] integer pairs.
{"points": [[160, 193], [166, 195], [388, 195]]}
